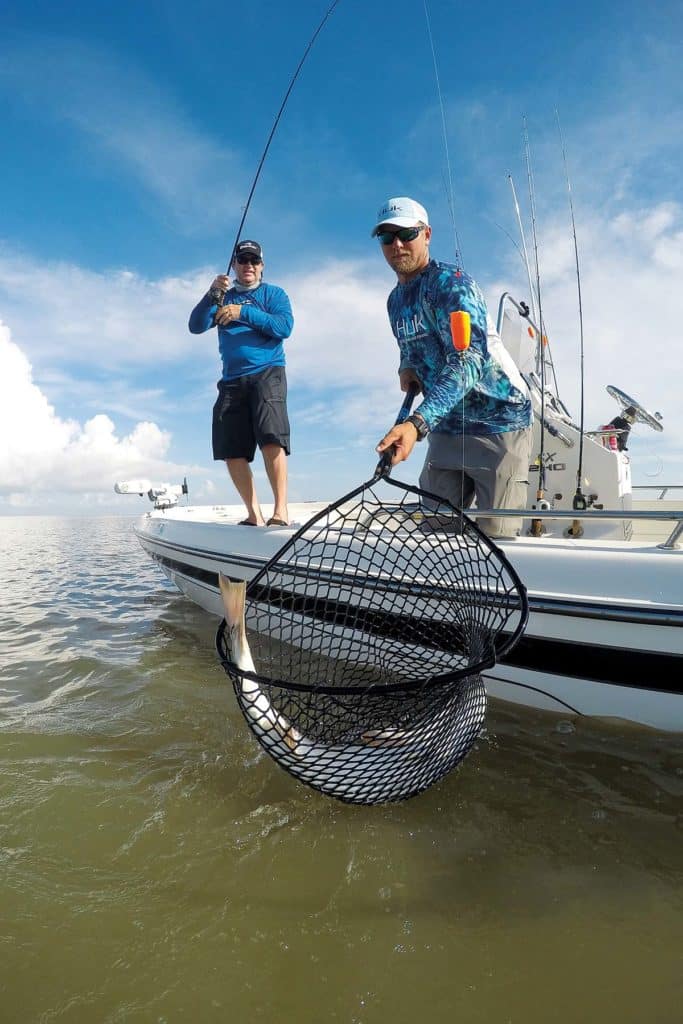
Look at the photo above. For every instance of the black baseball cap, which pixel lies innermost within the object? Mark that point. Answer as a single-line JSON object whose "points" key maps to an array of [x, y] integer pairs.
{"points": [[248, 248]]}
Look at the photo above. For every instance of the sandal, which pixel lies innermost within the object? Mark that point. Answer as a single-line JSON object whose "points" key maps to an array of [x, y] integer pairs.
{"points": [[246, 522], [276, 521]]}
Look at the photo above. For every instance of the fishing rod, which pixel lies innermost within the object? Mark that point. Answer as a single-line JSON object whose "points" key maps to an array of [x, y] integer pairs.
{"points": [[524, 256], [536, 524], [449, 189], [524, 248], [579, 502], [216, 294]]}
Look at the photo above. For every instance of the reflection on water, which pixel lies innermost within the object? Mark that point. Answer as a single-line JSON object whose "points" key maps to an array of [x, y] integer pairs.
{"points": [[157, 866]]}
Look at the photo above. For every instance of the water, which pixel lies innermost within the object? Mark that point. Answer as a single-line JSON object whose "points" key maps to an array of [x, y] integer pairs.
{"points": [[157, 867]]}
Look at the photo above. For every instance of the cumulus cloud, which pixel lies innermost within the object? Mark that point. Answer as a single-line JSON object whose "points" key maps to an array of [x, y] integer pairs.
{"points": [[117, 108], [341, 357], [43, 454], [631, 266], [107, 319], [342, 337], [341, 330]]}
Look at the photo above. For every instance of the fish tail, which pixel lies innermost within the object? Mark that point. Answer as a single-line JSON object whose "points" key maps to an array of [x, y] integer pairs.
{"points": [[258, 707], [233, 593]]}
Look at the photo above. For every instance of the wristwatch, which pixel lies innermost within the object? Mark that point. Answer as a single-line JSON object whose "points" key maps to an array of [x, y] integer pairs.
{"points": [[420, 425]]}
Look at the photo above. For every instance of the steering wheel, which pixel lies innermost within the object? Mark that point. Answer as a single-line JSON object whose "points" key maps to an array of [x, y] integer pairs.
{"points": [[635, 409]]}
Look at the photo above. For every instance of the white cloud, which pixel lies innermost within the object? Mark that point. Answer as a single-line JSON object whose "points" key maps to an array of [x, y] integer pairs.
{"points": [[108, 320], [341, 357], [631, 267], [342, 336], [122, 112], [42, 454]]}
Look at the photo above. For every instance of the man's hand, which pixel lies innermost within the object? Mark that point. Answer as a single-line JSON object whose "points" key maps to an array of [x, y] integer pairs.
{"points": [[220, 284], [403, 438], [407, 377], [226, 314]]}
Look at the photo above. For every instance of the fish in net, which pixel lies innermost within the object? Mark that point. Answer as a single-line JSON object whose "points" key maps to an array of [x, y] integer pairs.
{"points": [[374, 623]]}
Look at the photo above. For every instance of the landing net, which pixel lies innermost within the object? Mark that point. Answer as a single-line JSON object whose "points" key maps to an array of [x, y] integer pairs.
{"points": [[374, 622]]}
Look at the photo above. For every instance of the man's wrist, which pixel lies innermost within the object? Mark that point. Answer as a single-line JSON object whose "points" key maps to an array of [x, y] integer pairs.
{"points": [[420, 425]]}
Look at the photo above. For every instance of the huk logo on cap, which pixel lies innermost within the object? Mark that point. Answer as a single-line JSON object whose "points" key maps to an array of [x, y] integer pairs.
{"points": [[388, 208], [402, 212]]}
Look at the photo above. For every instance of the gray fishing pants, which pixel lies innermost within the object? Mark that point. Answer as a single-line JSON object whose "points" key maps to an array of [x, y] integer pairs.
{"points": [[492, 470]]}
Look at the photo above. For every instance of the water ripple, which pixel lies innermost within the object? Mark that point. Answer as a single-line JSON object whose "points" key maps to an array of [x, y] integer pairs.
{"points": [[157, 866]]}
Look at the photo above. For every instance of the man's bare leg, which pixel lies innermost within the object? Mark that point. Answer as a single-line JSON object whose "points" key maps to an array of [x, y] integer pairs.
{"points": [[243, 479], [275, 460]]}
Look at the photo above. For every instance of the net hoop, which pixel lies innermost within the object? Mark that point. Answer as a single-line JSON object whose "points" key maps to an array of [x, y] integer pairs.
{"points": [[373, 624]]}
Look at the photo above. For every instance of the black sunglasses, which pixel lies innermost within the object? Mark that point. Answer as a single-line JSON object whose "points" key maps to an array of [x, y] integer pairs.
{"points": [[254, 260], [403, 235]]}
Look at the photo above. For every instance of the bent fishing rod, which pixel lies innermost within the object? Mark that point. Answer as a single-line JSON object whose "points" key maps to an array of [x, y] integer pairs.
{"points": [[216, 294]]}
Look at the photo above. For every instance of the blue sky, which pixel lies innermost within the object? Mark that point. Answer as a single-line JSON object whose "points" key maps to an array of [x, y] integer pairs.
{"points": [[131, 135]]}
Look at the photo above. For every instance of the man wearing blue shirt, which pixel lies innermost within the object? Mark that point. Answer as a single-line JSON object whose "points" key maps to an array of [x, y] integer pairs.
{"points": [[253, 320], [476, 411]]}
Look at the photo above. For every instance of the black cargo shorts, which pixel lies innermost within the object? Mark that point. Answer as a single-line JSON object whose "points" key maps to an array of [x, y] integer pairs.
{"points": [[250, 411]]}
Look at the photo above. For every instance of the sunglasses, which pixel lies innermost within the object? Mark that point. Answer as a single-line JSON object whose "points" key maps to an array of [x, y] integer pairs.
{"points": [[254, 260], [403, 235]]}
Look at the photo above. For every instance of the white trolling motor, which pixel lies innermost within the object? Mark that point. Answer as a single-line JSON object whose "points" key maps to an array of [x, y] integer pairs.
{"points": [[162, 495]]}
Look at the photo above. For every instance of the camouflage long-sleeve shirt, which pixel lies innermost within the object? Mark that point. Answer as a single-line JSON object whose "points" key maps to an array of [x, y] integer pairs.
{"points": [[478, 391]]}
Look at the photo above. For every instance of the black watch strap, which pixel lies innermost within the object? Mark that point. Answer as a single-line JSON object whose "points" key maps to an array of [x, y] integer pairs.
{"points": [[420, 425]]}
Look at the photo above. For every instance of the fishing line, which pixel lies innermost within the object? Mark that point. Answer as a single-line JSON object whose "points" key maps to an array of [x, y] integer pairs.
{"points": [[218, 296], [448, 186], [660, 467], [579, 500], [449, 192], [536, 689], [508, 236]]}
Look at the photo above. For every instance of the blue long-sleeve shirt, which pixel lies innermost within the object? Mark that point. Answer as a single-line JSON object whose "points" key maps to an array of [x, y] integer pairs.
{"points": [[478, 391], [255, 341]]}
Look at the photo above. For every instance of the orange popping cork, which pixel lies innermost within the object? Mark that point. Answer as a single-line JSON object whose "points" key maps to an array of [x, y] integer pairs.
{"points": [[460, 330]]}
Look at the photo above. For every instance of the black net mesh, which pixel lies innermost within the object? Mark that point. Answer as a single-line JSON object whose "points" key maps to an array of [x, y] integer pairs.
{"points": [[374, 623]]}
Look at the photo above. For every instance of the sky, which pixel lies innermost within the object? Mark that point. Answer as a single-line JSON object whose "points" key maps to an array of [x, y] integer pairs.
{"points": [[131, 136]]}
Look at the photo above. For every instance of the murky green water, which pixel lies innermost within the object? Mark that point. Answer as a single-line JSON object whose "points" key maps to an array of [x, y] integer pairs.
{"points": [[157, 867]]}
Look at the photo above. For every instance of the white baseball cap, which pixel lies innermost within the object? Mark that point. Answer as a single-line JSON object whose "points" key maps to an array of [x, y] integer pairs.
{"points": [[401, 212]]}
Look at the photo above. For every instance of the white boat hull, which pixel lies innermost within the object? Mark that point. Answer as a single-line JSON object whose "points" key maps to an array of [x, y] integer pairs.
{"points": [[605, 631]]}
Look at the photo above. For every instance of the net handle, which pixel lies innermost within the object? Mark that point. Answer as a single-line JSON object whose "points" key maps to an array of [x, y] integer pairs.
{"points": [[384, 464]]}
